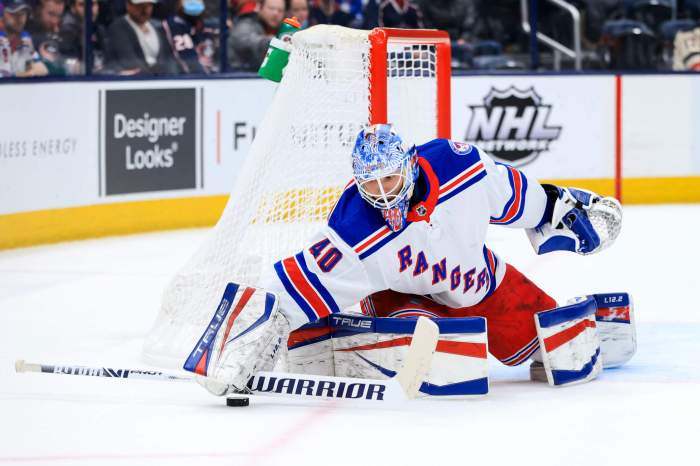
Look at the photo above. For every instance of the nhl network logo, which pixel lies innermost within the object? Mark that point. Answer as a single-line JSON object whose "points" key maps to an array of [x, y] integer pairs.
{"points": [[512, 125]]}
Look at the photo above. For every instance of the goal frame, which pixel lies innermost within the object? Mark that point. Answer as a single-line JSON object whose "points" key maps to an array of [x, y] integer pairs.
{"points": [[378, 76]]}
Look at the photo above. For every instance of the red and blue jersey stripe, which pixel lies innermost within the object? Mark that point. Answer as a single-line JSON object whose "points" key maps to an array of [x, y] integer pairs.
{"points": [[515, 206], [491, 264], [461, 182], [305, 288]]}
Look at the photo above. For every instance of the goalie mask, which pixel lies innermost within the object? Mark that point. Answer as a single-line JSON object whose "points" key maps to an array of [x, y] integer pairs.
{"points": [[385, 171]]}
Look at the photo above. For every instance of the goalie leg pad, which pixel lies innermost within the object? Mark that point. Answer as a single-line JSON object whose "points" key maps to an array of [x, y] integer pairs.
{"points": [[616, 328], [367, 347], [243, 337], [569, 343], [310, 349]]}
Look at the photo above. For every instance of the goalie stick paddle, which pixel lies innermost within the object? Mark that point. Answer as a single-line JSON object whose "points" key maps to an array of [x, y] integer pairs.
{"points": [[419, 356], [404, 385]]}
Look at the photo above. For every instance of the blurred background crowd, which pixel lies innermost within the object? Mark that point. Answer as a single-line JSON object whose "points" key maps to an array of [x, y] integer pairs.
{"points": [[168, 37]]}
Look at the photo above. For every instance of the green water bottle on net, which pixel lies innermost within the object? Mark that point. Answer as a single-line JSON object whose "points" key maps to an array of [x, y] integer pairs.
{"points": [[277, 55]]}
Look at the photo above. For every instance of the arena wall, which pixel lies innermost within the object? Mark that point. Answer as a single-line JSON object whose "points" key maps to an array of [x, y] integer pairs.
{"points": [[88, 159]]}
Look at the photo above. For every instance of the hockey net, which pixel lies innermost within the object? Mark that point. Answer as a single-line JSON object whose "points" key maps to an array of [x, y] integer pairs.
{"points": [[337, 80]]}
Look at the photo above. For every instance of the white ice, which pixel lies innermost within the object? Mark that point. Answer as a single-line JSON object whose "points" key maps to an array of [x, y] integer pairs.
{"points": [[92, 302]]}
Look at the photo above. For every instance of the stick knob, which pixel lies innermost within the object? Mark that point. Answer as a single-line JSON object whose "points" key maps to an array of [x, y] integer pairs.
{"points": [[19, 365]]}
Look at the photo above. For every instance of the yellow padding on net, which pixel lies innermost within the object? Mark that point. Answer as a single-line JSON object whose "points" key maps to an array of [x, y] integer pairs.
{"points": [[298, 205]]}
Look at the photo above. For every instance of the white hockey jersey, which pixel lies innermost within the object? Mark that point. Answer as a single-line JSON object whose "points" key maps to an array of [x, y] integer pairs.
{"points": [[441, 253]]}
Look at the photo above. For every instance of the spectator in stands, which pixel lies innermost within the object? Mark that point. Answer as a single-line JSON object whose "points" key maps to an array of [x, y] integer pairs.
{"points": [[44, 28], [399, 14], [243, 7], [347, 13], [192, 44], [252, 32], [500, 20], [17, 54], [110, 10], [300, 10], [596, 13], [212, 7], [72, 37], [47, 17], [138, 45], [458, 18]]}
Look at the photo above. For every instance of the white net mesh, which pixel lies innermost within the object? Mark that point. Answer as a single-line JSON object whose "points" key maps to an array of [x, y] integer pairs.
{"points": [[297, 166], [411, 74]]}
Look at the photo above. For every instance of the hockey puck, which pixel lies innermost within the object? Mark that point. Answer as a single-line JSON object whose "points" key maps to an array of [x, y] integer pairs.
{"points": [[244, 401]]}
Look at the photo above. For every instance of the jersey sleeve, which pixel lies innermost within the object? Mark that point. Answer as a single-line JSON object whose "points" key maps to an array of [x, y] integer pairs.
{"points": [[325, 277], [514, 199]]}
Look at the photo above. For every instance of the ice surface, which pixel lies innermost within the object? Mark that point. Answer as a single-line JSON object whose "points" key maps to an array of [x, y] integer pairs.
{"points": [[92, 302]]}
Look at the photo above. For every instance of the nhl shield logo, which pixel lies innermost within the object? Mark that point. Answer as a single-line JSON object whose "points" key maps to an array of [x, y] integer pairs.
{"points": [[512, 125]]}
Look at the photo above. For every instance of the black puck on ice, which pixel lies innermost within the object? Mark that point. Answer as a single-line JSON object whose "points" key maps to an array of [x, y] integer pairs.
{"points": [[240, 401]]}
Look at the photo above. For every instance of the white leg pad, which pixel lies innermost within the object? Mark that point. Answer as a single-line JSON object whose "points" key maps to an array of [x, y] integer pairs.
{"points": [[569, 343], [310, 350], [616, 328], [375, 348]]}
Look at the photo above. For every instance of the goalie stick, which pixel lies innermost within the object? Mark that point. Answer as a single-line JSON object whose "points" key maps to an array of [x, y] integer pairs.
{"points": [[404, 385]]}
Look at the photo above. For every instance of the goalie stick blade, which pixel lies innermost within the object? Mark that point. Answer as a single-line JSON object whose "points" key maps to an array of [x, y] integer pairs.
{"points": [[419, 357]]}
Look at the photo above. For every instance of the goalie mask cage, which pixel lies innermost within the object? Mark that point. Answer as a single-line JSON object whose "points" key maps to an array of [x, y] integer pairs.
{"points": [[337, 80]]}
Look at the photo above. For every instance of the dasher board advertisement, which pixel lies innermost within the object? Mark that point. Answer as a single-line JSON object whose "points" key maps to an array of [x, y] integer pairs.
{"points": [[150, 140]]}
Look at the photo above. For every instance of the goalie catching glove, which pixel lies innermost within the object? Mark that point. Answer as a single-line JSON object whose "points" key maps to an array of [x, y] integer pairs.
{"points": [[244, 337], [581, 221]]}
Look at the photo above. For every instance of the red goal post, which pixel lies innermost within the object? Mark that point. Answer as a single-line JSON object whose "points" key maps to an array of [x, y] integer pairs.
{"points": [[380, 38]]}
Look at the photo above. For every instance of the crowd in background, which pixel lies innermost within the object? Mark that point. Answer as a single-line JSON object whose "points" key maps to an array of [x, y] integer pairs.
{"points": [[129, 37], [166, 37]]}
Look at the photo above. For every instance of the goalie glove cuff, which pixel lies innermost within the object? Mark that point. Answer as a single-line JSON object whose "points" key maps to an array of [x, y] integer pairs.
{"points": [[580, 221]]}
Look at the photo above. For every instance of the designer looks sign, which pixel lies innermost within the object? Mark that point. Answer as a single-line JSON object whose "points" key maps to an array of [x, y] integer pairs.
{"points": [[150, 140]]}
